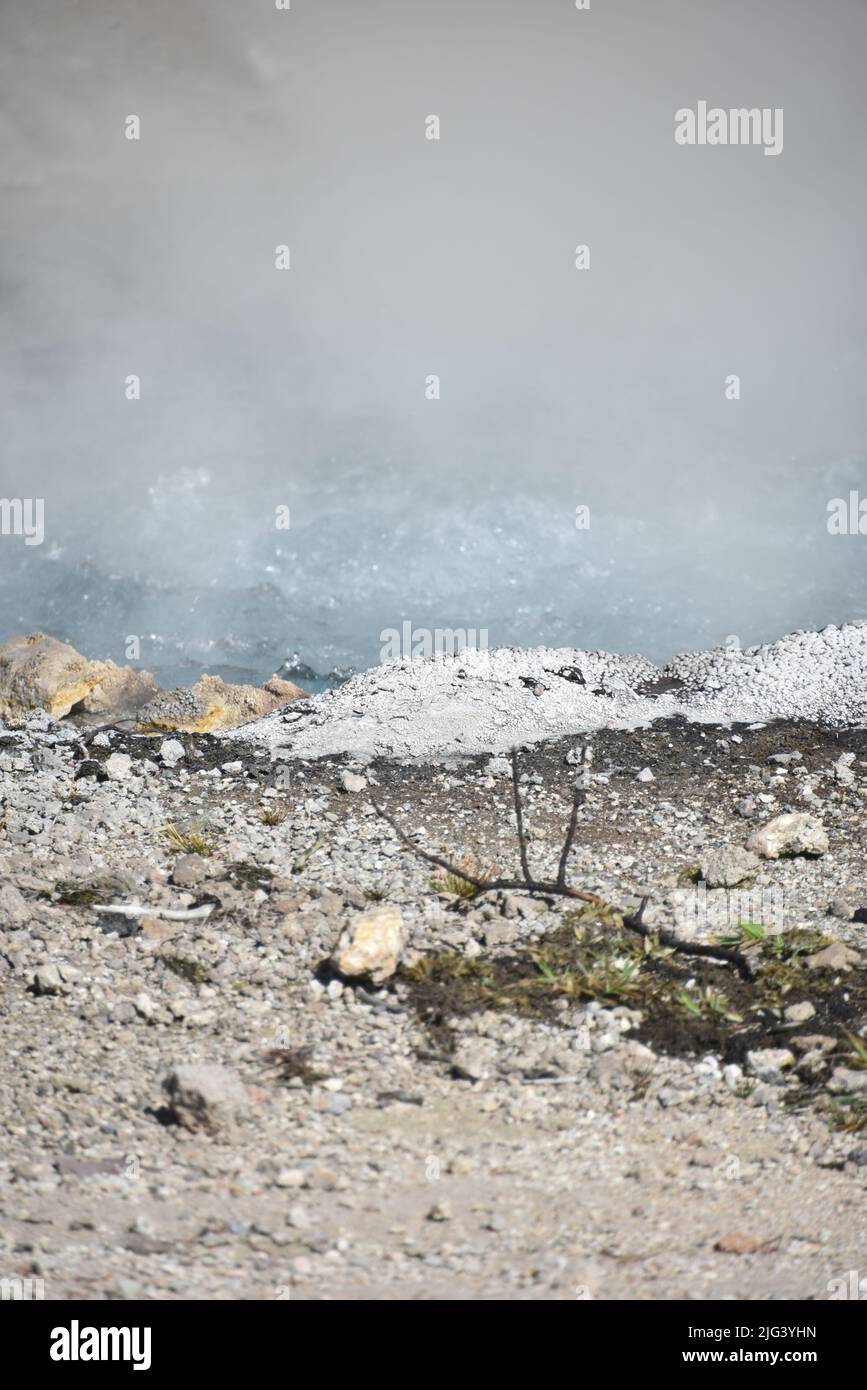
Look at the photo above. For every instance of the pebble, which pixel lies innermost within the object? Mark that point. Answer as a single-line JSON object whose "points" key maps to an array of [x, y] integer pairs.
{"points": [[352, 782], [799, 1013], [118, 767]]}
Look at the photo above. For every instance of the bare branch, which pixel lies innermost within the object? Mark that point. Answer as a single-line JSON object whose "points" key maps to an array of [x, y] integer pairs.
{"points": [[577, 798], [633, 921], [519, 818], [482, 884]]}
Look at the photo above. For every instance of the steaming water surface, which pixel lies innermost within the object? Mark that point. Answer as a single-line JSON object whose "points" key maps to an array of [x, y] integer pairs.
{"points": [[305, 389]]}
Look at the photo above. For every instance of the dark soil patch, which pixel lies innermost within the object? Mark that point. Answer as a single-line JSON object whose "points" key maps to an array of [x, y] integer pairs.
{"points": [[249, 876], [688, 1007]]}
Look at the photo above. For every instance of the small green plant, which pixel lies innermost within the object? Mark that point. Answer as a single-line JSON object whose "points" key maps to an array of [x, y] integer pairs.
{"points": [[590, 970], [74, 893], [749, 932], [858, 1056], [192, 840], [706, 1001], [849, 1113], [544, 969], [687, 1002], [788, 945]]}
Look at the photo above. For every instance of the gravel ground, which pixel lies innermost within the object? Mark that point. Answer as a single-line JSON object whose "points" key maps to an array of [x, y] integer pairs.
{"points": [[355, 1145]]}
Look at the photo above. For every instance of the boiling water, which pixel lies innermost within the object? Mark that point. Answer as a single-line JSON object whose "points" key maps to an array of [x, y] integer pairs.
{"points": [[304, 396]]}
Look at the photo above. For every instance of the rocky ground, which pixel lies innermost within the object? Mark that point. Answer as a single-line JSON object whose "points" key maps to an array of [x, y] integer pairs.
{"points": [[527, 1106]]}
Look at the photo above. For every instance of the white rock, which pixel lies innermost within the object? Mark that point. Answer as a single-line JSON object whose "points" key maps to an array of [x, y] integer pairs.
{"points": [[171, 751], [290, 1177], [796, 832], [842, 769], [645, 775], [14, 911], [768, 1063], [351, 782], [118, 767], [799, 1013], [144, 1005], [846, 1079]]}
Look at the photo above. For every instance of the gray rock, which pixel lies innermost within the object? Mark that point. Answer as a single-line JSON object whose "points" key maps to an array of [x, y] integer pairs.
{"points": [[189, 869], [833, 957], [205, 1097], [46, 980], [845, 1080], [729, 866], [14, 911], [843, 908], [298, 1217], [473, 1060], [843, 771], [769, 1063]]}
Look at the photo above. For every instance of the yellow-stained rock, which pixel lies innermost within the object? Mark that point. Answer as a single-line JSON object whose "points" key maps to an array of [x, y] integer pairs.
{"points": [[39, 672], [212, 704], [371, 946]]}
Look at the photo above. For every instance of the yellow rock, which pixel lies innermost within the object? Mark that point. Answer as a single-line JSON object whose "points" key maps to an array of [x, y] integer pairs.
{"points": [[372, 945], [38, 672], [212, 704]]}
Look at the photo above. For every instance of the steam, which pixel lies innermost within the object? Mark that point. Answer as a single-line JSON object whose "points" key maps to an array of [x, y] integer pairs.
{"points": [[263, 389]]}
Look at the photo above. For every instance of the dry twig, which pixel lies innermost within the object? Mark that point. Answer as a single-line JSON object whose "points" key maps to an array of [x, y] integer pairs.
{"points": [[632, 921]]}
